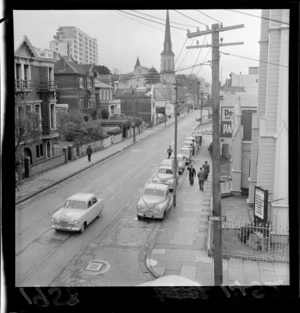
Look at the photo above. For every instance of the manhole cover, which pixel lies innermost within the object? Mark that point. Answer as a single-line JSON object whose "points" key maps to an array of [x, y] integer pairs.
{"points": [[97, 267]]}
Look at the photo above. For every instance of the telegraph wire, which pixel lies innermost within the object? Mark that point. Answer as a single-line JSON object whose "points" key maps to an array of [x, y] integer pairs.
{"points": [[209, 16], [239, 56], [151, 20], [261, 17], [147, 24], [191, 18], [163, 19]]}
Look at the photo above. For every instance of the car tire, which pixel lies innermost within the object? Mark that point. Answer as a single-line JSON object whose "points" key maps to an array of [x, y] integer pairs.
{"points": [[99, 214], [139, 217], [82, 227]]}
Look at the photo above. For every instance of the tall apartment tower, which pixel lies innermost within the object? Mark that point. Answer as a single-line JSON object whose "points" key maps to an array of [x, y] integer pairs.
{"points": [[167, 73], [71, 41]]}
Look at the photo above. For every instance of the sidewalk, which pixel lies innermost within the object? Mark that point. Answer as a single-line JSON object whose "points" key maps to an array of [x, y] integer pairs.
{"points": [[36, 184], [180, 247]]}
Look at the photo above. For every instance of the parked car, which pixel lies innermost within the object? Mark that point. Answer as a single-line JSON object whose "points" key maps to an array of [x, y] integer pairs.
{"points": [[165, 175], [117, 116], [181, 162], [169, 162], [190, 138], [155, 201], [78, 211], [187, 154], [189, 144]]}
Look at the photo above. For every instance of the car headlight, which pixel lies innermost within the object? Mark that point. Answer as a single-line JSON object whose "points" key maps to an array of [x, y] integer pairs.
{"points": [[53, 220], [76, 222]]}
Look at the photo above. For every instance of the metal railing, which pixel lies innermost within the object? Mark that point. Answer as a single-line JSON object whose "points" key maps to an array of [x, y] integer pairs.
{"points": [[22, 84], [48, 85], [255, 242]]}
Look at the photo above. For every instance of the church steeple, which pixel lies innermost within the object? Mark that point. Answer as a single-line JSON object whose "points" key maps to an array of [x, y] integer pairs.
{"points": [[167, 64], [137, 64], [168, 43]]}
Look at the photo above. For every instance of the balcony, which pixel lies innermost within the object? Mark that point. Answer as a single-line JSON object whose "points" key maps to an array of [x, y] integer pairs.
{"points": [[22, 85], [49, 86]]}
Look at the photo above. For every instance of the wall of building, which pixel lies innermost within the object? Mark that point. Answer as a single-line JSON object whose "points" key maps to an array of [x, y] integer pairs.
{"points": [[47, 164]]}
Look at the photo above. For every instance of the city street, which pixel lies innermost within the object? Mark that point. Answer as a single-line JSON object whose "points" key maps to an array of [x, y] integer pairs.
{"points": [[45, 257]]}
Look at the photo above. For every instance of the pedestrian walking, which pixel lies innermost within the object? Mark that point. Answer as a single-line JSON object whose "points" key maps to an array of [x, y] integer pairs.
{"points": [[192, 173], [16, 179], [89, 152], [169, 151], [201, 177], [205, 167]]}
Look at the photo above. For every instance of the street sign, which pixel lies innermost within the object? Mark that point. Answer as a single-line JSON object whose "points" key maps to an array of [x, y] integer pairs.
{"points": [[217, 218]]}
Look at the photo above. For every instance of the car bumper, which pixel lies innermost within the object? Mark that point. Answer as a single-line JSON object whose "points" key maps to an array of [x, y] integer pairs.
{"points": [[69, 227], [151, 213]]}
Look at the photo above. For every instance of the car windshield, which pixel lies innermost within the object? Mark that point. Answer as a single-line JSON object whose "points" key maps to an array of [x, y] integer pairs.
{"points": [[75, 204], [154, 192], [165, 171]]}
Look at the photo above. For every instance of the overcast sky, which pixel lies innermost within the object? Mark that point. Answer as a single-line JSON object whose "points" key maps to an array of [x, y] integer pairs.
{"points": [[122, 37]]}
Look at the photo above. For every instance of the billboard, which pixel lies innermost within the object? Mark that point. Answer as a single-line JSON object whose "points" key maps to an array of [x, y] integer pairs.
{"points": [[227, 116]]}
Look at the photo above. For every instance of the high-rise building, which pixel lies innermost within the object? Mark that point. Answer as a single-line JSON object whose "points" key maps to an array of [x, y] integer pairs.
{"points": [[71, 41]]}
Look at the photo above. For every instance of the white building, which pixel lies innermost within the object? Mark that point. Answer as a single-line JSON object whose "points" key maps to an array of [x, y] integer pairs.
{"points": [[269, 148], [71, 41]]}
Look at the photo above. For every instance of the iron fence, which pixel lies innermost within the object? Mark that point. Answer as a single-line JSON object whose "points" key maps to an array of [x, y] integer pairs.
{"points": [[255, 242]]}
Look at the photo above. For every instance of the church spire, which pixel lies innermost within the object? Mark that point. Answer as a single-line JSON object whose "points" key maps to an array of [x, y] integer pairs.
{"points": [[137, 64], [168, 43]]}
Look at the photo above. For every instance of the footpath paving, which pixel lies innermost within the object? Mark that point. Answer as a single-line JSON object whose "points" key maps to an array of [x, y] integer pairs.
{"points": [[180, 247], [36, 184]]}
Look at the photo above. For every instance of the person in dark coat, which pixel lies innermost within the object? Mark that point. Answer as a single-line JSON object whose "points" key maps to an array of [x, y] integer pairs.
{"points": [[201, 177], [89, 152], [205, 167], [169, 151], [192, 173]]}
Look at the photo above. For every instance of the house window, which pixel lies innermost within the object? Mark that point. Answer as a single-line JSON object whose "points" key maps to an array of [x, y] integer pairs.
{"points": [[26, 75], [81, 81], [81, 104], [52, 116], [39, 151]]}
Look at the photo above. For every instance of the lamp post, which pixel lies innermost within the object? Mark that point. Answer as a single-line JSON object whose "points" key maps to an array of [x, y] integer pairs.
{"points": [[133, 106]]}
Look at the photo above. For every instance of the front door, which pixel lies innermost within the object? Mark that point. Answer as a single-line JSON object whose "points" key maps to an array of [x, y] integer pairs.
{"points": [[245, 171]]}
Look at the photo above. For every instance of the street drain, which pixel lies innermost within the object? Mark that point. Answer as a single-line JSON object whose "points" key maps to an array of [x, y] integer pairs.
{"points": [[97, 267]]}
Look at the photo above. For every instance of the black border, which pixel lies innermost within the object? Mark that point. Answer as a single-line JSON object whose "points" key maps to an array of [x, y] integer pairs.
{"points": [[120, 299]]}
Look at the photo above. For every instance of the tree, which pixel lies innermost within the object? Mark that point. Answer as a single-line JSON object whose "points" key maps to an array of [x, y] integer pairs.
{"points": [[101, 69], [27, 129], [104, 114], [152, 77]]}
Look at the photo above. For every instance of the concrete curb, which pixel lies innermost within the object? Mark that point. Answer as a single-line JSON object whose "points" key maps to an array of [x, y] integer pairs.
{"points": [[89, 166]]}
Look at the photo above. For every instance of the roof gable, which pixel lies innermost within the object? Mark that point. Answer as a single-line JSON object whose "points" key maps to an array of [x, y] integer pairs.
{"points": [[25, 49]]}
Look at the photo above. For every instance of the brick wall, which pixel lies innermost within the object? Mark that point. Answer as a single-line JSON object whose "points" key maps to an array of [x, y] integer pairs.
{"points": [[47, 164]]}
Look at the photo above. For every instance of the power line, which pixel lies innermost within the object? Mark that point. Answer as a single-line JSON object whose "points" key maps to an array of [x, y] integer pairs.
{"points": [[162, 19], [204, 60], [146, 24], [186, 53], [239, 56], [209, 16], [197, 57], [191, 18], [261, 17], [151, 20]]}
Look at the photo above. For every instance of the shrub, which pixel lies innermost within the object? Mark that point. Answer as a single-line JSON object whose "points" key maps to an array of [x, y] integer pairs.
{"points": [[115, 131]]}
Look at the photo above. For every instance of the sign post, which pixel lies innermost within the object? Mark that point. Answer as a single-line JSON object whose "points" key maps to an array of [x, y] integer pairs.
{"points": [[260, 205]]}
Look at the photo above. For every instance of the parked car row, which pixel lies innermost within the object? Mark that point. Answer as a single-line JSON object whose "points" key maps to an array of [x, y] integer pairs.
{"points": [[157, 199]]}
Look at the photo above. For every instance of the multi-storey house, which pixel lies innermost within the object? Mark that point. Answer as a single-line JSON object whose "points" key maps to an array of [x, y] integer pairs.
{"points": [[76, 84], [35, 90]]}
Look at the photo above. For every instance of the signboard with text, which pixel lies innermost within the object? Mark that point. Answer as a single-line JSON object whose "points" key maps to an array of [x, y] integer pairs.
{"points": [[227, 116], [260, 204]]}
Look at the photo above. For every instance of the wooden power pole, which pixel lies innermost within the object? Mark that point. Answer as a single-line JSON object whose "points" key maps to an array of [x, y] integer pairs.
{"points": [[175, 144], [217, 229]]}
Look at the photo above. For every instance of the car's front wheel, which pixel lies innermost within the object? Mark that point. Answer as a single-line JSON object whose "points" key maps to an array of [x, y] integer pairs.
{"points": [[139, 217], [82, 228]]}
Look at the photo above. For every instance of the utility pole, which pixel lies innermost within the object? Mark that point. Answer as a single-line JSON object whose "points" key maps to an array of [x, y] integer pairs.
{"points": [[134, 110], [217, 226], [175, 144]]}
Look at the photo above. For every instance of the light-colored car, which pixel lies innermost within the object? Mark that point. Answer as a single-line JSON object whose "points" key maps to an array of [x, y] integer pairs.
{"points": [[189, 144], [78, 211], [190, 138], [181, 162], [155, 201], [165, 175], [187, 154], [171, 281], [169, 162]]}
